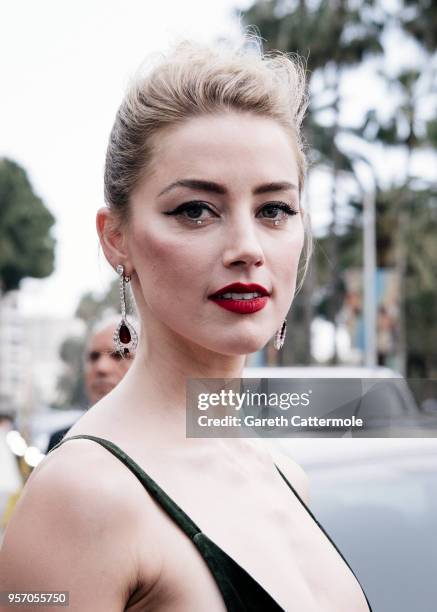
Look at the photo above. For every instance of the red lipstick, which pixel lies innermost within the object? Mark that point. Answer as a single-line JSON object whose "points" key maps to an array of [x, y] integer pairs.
{"points": [[253, 297]]}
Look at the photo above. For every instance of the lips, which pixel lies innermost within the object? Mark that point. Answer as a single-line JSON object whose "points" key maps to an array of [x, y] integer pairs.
{"points": [[253, 297], [241, 288]]}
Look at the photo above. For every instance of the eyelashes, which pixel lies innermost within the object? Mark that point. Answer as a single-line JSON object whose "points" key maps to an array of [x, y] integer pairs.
{"points": [[195, 205], [286, 208], [198, 206]]}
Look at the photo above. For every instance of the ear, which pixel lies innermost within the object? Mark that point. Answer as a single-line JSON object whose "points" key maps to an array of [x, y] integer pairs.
{"points": [[113, 239]]}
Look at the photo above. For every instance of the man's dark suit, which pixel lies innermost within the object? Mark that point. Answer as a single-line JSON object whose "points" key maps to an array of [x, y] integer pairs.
{"points": [[56, 437]]}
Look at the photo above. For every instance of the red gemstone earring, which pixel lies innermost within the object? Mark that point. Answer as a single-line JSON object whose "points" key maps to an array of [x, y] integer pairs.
{"points": [[125, 337]]}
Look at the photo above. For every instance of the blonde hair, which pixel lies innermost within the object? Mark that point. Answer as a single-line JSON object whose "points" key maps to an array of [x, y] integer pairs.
{"points": [[198, 79]]}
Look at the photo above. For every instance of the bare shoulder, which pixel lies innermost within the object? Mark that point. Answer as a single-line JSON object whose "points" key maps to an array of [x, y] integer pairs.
{"points": [[292, 470], [75, 525], [83, 470]]}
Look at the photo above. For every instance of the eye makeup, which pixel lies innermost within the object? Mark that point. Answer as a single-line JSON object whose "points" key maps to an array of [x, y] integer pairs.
{"points": [[198, 206]]}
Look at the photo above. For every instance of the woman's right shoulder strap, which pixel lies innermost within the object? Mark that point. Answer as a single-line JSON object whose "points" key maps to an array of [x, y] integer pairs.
{"points": [[158, 494]]}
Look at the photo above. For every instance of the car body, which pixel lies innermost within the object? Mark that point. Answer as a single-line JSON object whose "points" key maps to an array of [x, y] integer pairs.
{"points": [[320, 372], [387, 403], [377, 499]]}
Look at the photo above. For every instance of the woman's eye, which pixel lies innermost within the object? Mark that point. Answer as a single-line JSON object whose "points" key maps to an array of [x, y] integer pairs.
{"points": [[195, 211], [192, 211], [278, 211]]}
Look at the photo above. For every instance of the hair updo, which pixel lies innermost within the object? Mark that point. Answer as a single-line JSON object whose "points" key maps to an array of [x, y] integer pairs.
{"points": [[196, 79]]}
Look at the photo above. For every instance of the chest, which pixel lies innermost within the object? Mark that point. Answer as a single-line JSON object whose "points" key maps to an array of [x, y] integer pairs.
{"points": [[257, 520]]}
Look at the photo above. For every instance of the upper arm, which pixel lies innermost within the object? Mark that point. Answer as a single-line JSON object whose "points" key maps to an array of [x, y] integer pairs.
{"points": [[295, 474], [71, 532]]}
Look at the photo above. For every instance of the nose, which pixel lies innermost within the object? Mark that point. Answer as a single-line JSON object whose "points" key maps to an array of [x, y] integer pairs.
{"points": [[103, 365], [243, 247]]}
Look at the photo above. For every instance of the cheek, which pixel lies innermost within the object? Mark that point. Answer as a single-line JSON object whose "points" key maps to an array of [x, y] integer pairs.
{"points": [[288, 250], [169, 263]]}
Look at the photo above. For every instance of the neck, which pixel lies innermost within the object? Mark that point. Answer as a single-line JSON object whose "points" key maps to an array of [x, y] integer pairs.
{"points": [[155, 386]]}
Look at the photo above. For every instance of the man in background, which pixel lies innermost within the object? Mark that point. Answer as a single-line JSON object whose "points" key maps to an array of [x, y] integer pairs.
{"points": [[104, 368]]}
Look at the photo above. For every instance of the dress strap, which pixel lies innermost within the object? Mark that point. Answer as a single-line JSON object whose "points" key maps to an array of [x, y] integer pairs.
{"points": [[161, 497], [323, 530]]}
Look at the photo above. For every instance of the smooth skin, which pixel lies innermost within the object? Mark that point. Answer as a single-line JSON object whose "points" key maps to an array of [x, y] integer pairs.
{"points": [[85, 524]]}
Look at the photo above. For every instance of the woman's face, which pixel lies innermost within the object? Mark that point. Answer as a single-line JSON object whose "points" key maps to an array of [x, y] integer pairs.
{"points": [[237, 174]]}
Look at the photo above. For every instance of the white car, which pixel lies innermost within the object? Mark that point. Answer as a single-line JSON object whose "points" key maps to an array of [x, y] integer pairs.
{"points": [[377, 499], [382, 397], [319, 372]]}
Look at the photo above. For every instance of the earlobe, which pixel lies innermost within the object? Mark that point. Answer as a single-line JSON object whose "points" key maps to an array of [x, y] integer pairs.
{"points": [[112, 238]]}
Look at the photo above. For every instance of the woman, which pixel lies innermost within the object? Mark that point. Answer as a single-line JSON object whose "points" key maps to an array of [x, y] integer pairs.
{"points": [[204, 172]]}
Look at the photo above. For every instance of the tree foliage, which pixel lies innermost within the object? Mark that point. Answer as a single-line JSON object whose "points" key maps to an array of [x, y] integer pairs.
{"points": [[71, 385], [26, 244], [92, 307], [335, 36]]}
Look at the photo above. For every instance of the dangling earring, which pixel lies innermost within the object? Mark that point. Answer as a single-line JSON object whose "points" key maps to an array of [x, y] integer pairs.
{"points": [[125, 337], [279, 339]]}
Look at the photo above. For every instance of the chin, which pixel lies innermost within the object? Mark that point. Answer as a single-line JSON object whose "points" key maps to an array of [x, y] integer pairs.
{"points": [[241, 344]]}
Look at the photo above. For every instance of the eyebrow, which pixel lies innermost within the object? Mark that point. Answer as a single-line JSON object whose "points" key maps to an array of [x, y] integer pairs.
{"points": [[212, 187]]}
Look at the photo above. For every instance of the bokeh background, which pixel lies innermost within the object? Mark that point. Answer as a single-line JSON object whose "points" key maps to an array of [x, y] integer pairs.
{"points": [[369, 301], [370, 296]]}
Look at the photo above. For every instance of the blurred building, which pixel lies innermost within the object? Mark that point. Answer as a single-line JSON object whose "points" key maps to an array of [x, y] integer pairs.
{"points": [[43, 337], [30, 364], [13, 355]]}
